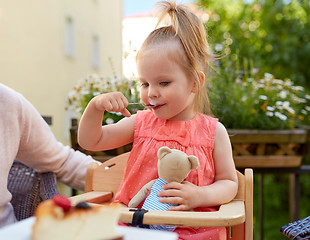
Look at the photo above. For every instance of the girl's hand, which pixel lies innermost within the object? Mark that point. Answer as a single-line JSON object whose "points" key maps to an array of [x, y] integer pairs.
{"points": [[112, 102], [184, 194]]}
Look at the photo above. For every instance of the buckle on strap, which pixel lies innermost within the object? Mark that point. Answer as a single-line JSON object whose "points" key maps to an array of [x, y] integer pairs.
{"points": [[137, 219]]}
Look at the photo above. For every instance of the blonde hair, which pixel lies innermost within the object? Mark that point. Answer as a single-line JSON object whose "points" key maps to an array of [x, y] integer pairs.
{"points": [[187, 29]]}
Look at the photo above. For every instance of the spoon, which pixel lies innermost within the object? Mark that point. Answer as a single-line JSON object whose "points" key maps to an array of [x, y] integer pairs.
{"points": [[142, 104]]}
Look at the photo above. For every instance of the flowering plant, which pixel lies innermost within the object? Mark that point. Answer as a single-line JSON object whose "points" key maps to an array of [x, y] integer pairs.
{"points": [[94, 85], [240, 99]]}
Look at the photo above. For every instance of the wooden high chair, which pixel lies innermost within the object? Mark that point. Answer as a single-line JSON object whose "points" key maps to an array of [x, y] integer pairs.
{"points": [[103, 181]]}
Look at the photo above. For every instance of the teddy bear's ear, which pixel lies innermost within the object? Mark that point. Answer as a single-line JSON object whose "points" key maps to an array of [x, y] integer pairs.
{"points": [[163, 151], [194, 161]]}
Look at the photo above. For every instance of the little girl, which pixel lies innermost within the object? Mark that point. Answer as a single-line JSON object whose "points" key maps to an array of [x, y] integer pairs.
{"points": [[172, 64]]}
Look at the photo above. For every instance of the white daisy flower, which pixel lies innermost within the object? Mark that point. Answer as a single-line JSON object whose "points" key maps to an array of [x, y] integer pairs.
{"points": [[109, 121], [263, 97]]}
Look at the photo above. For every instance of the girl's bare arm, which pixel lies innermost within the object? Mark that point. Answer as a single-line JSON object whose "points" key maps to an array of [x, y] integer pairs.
{"points": [[93, 136], [225, 185]]}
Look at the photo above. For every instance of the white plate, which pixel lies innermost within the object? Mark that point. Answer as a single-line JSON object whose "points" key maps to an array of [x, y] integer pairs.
{"points": [[22, 231]]}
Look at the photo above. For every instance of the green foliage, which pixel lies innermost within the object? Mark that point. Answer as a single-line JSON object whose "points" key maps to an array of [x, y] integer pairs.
{"points": [[241, 99], [276, 203], [275, 34]]}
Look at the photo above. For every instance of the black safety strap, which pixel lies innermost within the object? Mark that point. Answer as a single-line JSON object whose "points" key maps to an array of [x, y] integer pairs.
{"points": [[137, 219]]}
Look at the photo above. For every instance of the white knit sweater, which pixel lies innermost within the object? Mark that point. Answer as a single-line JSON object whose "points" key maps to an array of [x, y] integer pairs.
{"points": [[25, 136]]}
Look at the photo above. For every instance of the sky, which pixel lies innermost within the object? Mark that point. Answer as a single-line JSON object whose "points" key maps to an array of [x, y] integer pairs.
{"points": [[132, 7]]}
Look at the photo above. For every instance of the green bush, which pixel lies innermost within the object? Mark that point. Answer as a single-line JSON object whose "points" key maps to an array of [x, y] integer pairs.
{"points": [[243, 100], [275, 34]]}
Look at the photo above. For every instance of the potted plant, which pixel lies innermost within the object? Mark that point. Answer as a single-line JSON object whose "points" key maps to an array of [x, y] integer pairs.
{"points": [[263, 114]]}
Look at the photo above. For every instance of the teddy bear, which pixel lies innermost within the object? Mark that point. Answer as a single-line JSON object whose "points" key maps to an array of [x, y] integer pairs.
{"points": [[173, 165]]}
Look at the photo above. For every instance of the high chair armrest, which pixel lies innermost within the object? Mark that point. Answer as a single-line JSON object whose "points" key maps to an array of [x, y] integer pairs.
{"points": [[92, 197], [232, 213]]}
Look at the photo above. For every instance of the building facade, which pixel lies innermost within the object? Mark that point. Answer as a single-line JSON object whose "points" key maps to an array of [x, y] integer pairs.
{"points": [[47, 46]]}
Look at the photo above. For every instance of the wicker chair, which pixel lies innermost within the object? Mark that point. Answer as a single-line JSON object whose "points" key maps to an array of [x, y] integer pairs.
{"points": [[299, 229], [29, 188]]}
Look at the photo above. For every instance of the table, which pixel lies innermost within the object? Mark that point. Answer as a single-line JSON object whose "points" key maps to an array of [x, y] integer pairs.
{"points": [[22, 231]]}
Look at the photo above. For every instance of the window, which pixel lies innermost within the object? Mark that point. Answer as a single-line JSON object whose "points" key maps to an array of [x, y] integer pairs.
{"points": [[69, 37], [95, 51]]}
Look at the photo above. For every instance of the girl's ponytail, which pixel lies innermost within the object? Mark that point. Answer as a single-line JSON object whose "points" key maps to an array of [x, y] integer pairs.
{"points": [[190, 30], [194, 53]]}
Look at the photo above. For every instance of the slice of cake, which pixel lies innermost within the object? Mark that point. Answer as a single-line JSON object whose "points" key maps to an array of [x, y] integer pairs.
{"points": [[57, 219]]}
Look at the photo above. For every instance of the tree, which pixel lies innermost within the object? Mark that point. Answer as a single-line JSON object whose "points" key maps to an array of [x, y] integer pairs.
{"points": [[275, 34]]}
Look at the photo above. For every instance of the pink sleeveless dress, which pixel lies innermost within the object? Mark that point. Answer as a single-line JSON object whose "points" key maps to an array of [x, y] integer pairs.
{"points": [[194, 137]]}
